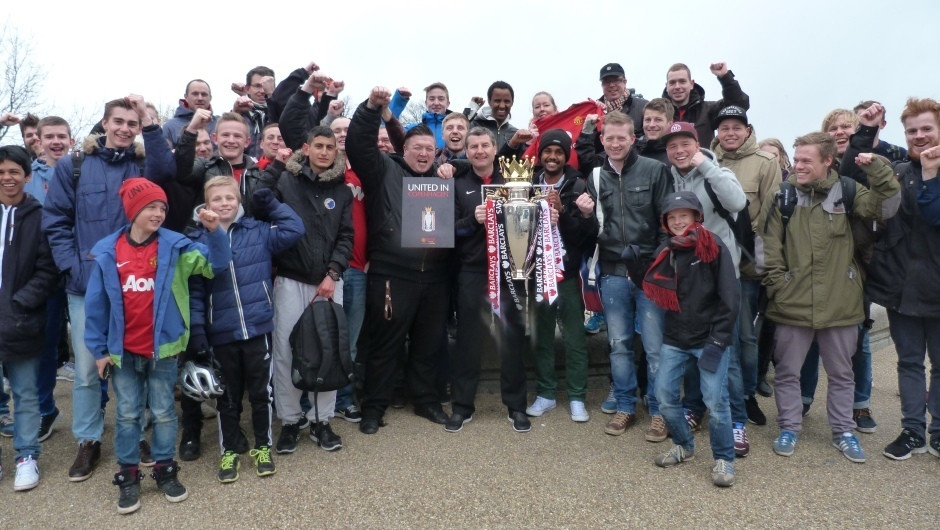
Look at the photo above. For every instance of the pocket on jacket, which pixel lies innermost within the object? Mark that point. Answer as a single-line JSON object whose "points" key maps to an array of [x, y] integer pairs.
{"points": [[640, 195], [90, 202]]}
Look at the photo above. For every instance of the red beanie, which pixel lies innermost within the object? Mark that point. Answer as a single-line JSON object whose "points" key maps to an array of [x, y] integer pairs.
{"points": [[138, 192]]}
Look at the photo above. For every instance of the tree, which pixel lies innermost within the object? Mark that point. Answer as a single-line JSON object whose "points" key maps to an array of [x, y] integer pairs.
{"points": [[22, 80], [412, 113]]}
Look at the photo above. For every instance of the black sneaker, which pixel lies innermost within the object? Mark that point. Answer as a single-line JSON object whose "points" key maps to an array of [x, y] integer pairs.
{"points": [[806, 407], [128, 480], [520, 422], [145, 459], [905, 445], [754, 414], [369, 426], [323, 435], [934, 447], [864, 422], [264, 464], [45, 425], [190, 446], [350, 414], [287, 442], [457, 421], [165, 473], [228, 467]]}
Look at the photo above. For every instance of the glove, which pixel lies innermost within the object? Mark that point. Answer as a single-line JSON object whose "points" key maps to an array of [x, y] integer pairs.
{"points": [[630, 254], [197, 350], [263, 202], [711, 356]]}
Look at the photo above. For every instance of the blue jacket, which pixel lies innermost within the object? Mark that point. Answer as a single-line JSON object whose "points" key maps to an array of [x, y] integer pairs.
{"points": [[174, 126], [178, 258], [435, 122], [39, 184], [76, 215], [239, 299]]}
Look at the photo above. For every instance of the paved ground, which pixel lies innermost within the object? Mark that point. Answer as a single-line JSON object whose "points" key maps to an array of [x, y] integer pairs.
{"points": [[561, 474]]}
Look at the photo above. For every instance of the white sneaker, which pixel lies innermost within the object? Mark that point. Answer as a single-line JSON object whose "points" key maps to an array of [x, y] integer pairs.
{"points": [[66, 372], [27, 474], [540, 406], [578, 412]]}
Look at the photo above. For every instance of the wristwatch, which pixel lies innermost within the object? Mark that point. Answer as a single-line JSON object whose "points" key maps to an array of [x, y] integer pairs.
{"points": [[333, 275]]}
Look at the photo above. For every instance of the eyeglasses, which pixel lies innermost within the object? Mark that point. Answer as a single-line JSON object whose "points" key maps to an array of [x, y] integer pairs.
{"points": [[612, 80]]}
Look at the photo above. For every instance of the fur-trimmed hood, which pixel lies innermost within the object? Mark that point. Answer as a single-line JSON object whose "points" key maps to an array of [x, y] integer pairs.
{"points": [[298, 161], [92, 142]]}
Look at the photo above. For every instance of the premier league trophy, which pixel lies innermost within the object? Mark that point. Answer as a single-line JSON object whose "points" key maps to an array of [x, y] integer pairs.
{"points": [[519, 200]]}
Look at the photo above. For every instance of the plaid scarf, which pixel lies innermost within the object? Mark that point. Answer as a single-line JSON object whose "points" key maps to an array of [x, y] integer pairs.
{"points": [[615, 104], [661, 280]]}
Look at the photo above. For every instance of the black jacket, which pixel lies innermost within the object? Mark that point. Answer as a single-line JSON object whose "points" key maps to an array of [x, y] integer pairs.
{"points": [[194, 172], [324, 203], [702, 113], [709, 299], [654, 149], [29, 277], [297, 118], [578, 234], [469, 235], [283, 92], [902, 275], [632, 204], [381, 177]]}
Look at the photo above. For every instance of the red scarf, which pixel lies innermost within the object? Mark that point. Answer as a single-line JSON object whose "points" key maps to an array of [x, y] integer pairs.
{"points": [[661, 280]]}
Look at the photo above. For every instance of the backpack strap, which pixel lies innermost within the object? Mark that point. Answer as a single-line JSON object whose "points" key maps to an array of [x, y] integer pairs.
{"points": [[849, 189], [785, 201], [719, 208], [599, 212], [78, 158]]}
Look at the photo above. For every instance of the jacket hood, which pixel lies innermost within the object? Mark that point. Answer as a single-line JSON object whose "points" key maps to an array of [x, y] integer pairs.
{"points": [[27, 205], [95, 141], [182, 111], [697, 95], [298, 161], [681, 199], [748, 148]]}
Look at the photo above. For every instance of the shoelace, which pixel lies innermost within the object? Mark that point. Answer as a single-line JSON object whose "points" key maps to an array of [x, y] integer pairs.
{"points": [[261, 456], [739, 436], [658, 423], [228, 460], [722, 467], [787, 439], [677, 452]]}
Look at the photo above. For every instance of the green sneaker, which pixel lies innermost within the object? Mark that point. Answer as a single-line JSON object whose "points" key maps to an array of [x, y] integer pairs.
{"points": [[263, 462], [228, 469]]}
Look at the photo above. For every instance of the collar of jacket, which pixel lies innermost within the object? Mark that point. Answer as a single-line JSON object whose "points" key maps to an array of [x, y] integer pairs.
{"points": [[91, 144], [821, 186], [298, 161], [631, 159], [748, 148]]}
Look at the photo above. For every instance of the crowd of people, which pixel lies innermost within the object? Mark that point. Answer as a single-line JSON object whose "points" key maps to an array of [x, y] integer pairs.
{"points": [[196, 244]]}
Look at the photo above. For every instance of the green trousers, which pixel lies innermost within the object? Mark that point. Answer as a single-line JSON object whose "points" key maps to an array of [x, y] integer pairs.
{"points": [[570, 306]]}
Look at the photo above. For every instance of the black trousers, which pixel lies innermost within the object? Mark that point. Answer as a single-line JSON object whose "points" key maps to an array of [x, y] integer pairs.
{"points": [[478, 332], [419, 311], [245, 366]]}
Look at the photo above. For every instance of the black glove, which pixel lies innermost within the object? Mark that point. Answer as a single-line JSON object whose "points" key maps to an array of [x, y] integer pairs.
{"points": [[631, 254], [197, 350], [263, 202], [711, 356]]}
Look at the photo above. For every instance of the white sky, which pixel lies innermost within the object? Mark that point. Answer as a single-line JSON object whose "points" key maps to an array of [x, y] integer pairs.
{"points": [[797, 60]]}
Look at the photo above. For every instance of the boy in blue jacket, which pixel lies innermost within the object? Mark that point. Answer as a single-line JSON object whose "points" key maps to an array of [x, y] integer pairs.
{"points": [[137, 321], [240, 315]]}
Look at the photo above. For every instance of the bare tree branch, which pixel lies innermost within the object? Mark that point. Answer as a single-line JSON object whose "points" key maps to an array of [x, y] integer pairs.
{"points": [[412, 113], [22, 79]]}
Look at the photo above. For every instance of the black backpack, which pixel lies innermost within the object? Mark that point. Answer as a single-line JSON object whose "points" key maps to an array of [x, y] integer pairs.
{"points": [[785, 200], [740, 226], [78, 158], [320, 348]]}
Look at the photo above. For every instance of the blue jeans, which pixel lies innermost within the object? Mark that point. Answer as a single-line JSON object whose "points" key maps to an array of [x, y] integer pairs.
{"points": [[693, 391], [55, 312], [672, 369], [4, 397], [354, 305], [861, 367], [624, 306], [88, 396], [137, 382], [22, 375]]}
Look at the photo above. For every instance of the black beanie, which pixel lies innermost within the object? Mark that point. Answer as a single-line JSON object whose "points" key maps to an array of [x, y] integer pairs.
{"points": [[556, 137]]}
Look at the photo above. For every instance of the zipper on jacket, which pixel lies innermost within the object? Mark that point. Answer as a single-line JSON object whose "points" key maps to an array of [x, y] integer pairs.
{"points": [[238, 298]]}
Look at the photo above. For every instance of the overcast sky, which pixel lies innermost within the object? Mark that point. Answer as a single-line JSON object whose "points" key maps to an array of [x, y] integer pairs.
{"points": [[797, 60]]}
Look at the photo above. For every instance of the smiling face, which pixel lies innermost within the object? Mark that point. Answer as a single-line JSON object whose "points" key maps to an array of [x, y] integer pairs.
{"points": [[614, 86], [921, 133], [617, 141], [481, 151], [679, 87], [553, 159], [731, 134], [203, 144], [655, 124], [232, 138], [340, 126], [322, 153], [31, 140], [809, 164], [223, 200], [841, 129], [419, 153], [500, 104], [12, 181], [437, 101], [150, 218], [384, 142], [679, 220], [55, 142], [255, 90], [542, 106], [680, 149], [120, 128], [455, 135], [271, 142]]}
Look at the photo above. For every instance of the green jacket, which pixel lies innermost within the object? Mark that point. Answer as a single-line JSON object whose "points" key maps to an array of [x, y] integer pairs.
{"points": [[812, 278]]}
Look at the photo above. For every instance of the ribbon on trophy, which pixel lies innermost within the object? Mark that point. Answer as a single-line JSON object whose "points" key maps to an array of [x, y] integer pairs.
{"points": [[549, 267], [492, 255], [506, 261]]}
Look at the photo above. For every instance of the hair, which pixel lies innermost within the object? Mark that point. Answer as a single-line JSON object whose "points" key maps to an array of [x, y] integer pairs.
{"points": [[218, 182], [500, 84], [544, 93], [834, 115], [232, 116], [31, 120], [52, 121], [200, 81], [784, 158], [662, 105], [18, 155], [320, 130], [120, 103], [437, 84], [268, 126], [480, 131], [263, 71], [618, 118], [916, 107], [418, 130], [153, 107], [862, 105], [455, 116], [678, 67], [823, 142]]}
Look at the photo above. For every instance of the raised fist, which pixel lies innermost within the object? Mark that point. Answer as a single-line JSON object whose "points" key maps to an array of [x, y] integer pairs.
{"points": [[311, 67], [136, 101], [698, 158], [200, 120], [243, 104], [719, 69], [333, 88], [8, 119], [336, 107], [404, 92], [379, 97], [872, 116], [585, 205], [283, 154], [238, 88], [209, 219], [479, 101]]}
